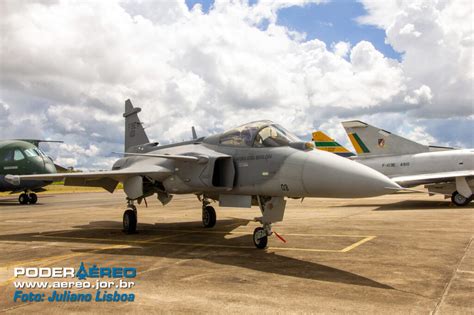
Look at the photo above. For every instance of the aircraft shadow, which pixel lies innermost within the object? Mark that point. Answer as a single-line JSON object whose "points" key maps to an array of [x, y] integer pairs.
{"points": [[13, 201], [235, 251], [9, 202], [420, 205]]}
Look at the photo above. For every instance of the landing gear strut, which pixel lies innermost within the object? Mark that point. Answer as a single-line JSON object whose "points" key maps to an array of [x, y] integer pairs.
{"points": [[273, 209], [459, 200], [26, 198], [130, 219], [208, 214]]}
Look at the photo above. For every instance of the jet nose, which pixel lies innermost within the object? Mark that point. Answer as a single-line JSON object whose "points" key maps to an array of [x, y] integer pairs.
{"points": [[329, 175]]}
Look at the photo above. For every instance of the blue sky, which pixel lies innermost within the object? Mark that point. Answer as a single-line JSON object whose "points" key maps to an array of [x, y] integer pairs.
{"points": [[330, 22]]}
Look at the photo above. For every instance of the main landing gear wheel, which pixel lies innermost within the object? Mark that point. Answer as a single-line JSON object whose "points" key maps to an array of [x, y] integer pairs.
{"points": [[459, 200], [130, 221], [32, 198], [208, 217], [260, 238], [23, 199]]}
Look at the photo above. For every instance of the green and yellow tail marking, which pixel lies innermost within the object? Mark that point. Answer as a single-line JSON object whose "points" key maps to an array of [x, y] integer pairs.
{"points": [[325, 143], [359, 146]]}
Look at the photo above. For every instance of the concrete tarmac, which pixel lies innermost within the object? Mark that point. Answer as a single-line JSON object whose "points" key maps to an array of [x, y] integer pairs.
{"points": [[401, 253]]}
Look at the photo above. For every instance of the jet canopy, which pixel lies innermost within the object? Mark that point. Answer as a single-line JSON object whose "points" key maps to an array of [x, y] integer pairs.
{"points": [[258, 134]]}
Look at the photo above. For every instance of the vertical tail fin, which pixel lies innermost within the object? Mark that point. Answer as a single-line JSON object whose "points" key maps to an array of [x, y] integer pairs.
{"points": [[326, 143], [372, 141], [134, 131]]}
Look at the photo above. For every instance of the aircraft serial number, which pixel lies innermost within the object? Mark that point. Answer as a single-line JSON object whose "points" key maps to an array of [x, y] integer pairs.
{"points": [[394, 164], [254, 157]]}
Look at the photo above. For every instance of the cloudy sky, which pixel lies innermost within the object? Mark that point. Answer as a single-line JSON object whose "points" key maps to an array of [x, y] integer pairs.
{"points": [[66, 68]]}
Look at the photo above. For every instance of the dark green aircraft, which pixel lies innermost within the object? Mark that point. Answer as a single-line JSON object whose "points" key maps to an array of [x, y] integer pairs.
{"points": [[23, 157]]}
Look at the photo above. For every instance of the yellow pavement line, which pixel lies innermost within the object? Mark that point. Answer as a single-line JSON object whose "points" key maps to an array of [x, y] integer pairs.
{"points": [[157, 240], [224, 232], [113, 240], [466, 271], [250, 233], [184, 232], [362, 241], [310, 250]]}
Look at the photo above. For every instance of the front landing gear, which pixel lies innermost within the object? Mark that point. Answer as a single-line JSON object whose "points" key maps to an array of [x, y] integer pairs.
{"points": [[208, 217], [30, 198], [260, 238], [459, 200], [130, 219], [33, 198], [23, 199], [273, 209], [208, 213]]}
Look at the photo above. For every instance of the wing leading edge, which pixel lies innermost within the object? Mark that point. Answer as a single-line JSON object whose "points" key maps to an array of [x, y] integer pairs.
{"points": [[413, 180]]}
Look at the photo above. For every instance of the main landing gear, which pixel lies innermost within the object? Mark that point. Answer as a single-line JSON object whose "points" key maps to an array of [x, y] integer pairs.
{"points": [[459, 200], [208, 214], [130, 218], [28, 198]]}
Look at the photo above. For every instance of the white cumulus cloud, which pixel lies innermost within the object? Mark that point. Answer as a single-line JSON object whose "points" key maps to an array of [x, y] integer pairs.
{"points": [[68, 67]]}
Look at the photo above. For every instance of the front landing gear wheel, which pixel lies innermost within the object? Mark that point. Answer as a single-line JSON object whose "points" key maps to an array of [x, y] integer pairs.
{"points": [[260, 238], [129, 221], [459, 200], [208, 217], [23, 199], [32, 198]]}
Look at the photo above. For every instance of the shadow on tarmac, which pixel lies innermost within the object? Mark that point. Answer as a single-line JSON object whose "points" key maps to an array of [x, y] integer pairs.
{"points": [[410, 205], [234, 251], [421, 205], [12, 200]]}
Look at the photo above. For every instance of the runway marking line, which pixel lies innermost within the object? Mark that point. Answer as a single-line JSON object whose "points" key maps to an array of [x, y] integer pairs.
{"points": [[466, 271], [158, 240], [362, 241]]}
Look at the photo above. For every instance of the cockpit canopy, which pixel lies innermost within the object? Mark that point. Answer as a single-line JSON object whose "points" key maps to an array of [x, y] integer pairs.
{"points": [[258, 134], [18, 153]]}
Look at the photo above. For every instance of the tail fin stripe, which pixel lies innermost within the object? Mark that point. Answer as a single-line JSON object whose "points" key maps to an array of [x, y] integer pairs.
{"points": [[326, 144], [358, 144]]}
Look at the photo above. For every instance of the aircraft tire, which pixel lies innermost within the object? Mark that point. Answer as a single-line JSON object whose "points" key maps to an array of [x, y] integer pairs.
{"points": [[262, 242], [129, 221], [23, 199], [208, 217], [459, 200], [32, 198]]}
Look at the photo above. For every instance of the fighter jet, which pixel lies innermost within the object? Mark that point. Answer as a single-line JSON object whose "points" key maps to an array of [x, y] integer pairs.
{"points": [[24, 157], [442, 170], [256, 164]]}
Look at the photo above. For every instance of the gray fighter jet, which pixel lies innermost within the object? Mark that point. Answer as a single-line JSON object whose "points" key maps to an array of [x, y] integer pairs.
{"points": [[442, 170], [259, 163]]}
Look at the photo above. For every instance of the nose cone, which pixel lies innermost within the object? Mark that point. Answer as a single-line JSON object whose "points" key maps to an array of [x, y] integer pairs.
{"points": [[49, 167], [328, 175]]}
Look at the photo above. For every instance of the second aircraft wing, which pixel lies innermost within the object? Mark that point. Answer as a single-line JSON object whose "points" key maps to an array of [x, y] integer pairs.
{"points": [[413, 180]]}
